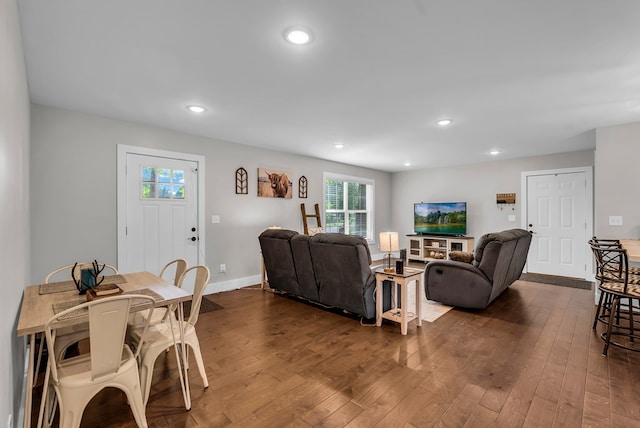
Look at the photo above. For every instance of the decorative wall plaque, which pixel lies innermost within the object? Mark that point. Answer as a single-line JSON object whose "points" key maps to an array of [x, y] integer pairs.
{"points": [[242, 182], [302, 187]]}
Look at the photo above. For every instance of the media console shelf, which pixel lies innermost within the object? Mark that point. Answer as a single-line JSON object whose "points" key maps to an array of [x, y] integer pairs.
{"points": [[425, 248]]}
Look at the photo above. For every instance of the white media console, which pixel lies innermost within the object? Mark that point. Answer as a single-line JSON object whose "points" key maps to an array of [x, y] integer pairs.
{"points": [[425, 248]]}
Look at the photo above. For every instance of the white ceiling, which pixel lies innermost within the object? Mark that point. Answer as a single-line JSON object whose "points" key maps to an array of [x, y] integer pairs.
{"points": [[527, 77]]}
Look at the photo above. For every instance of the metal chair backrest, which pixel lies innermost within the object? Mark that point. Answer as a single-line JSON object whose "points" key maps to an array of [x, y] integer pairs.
{"points": [[78, 268], [200, 275], [178, 266], [107, 329], [612, 262]]}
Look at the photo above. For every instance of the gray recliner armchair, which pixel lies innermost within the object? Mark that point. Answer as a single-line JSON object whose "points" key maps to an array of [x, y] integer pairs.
{"points": [[497, 262]]}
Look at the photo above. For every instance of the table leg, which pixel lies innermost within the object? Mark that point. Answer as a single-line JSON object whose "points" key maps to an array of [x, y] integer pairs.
{"points": [[403, 311], [379, 298], [28, 393]]}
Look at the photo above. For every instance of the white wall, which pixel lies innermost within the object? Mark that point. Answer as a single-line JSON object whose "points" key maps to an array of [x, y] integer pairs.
{"points": [[74, 191], [475, 184], [617, 181], [14, 207]]}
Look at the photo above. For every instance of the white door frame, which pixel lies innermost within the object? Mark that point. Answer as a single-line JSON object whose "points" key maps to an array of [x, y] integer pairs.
{"points": [[123, 151], [588, 171]]}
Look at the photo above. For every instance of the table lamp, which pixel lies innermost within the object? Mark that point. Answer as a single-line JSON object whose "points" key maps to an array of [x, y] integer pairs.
{"points": [[388, 243]]}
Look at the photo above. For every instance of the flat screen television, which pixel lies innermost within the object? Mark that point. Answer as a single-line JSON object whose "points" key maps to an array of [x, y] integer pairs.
{"points": [[440, 218]]}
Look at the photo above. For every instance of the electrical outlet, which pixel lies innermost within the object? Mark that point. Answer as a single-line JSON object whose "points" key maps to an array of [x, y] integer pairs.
{"points": [[223, 268], [215, 219]]}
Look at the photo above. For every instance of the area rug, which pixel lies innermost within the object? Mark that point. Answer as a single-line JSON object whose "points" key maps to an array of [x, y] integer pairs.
{"points": [[430, 310], [207, 305], [562, 281]]}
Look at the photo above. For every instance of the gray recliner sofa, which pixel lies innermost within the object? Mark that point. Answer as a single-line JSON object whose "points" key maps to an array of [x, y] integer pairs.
{"points": [[328, 268], [497, 262]]}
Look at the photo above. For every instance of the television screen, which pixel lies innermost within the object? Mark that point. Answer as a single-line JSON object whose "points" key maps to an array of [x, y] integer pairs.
{"points": [[440, 218]]}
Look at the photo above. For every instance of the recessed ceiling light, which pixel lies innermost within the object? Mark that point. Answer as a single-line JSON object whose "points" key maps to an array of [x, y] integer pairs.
{"points": [[445, 122], [339, 145], [407, 164], [298, 35], [196, 109], [494, 152]]}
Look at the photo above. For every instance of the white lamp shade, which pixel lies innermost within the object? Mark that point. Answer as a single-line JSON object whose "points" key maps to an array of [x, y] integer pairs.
{"points": [[389, 241]]}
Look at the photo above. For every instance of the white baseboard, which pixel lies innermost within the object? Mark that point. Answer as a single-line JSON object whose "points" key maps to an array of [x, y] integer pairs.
{"points": [[232, 284]]}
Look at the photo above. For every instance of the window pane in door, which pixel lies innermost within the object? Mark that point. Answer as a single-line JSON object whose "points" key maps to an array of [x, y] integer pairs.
{"points": [[178, 176], [149, 174], [164, 175], [164, 191], [148, 190], [178, 191]]}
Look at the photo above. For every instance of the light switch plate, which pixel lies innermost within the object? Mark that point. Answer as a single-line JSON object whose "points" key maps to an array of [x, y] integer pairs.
{"points": [[615, 220], [512, 217], [215, 219]]}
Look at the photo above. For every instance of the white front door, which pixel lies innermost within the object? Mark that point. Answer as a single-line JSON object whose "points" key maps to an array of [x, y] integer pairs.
{"points": [[161, 215], [556, 214]]}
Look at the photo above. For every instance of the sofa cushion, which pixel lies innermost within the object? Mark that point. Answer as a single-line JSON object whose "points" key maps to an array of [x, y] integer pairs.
{"points": [[341, 239], [341, 265]]}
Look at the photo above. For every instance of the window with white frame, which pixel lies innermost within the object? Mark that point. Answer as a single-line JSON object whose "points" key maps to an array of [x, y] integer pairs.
{"points": [[348, 205]]}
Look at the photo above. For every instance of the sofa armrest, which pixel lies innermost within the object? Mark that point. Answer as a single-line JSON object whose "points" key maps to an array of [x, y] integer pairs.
{"points": [[457, 284]]}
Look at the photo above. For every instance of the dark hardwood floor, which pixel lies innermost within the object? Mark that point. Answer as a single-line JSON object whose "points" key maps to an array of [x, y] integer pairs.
{"points": [[530, 359]]}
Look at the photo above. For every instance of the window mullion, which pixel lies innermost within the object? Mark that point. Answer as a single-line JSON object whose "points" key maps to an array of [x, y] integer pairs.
{"points": [[345, 206]]}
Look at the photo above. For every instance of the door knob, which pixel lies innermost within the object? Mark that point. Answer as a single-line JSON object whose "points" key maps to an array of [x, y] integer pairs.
{"points": [[193, 238], [193, 229]]}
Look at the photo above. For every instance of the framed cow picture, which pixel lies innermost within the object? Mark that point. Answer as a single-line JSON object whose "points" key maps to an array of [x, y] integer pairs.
{"points": [[274, 184]]}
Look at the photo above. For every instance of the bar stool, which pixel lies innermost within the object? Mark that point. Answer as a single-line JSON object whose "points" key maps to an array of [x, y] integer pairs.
{"points": [[609, 269], [616, 285]]}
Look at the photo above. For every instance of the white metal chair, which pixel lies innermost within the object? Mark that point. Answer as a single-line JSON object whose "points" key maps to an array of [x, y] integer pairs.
{"points": [[110, 363], [177, 267], [171, 271], [79, 268], [74, 334], [161, 336]]}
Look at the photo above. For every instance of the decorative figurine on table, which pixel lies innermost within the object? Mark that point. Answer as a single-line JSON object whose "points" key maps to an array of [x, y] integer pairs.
{"points": [[89, 278]]}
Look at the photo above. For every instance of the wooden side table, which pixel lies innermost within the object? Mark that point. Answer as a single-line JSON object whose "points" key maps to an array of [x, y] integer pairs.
{"points": [[399, 314]]}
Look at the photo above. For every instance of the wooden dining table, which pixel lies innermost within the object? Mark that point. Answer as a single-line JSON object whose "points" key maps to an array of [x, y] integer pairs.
{"points": [[633, 249], [39, 306]]}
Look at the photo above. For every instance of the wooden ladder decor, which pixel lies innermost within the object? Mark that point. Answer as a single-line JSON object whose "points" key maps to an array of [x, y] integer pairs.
{"points": [[316, 216]]}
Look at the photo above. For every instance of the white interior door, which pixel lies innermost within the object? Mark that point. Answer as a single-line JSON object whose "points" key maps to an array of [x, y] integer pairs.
{"points": [[161, 213], [557, 214]]}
